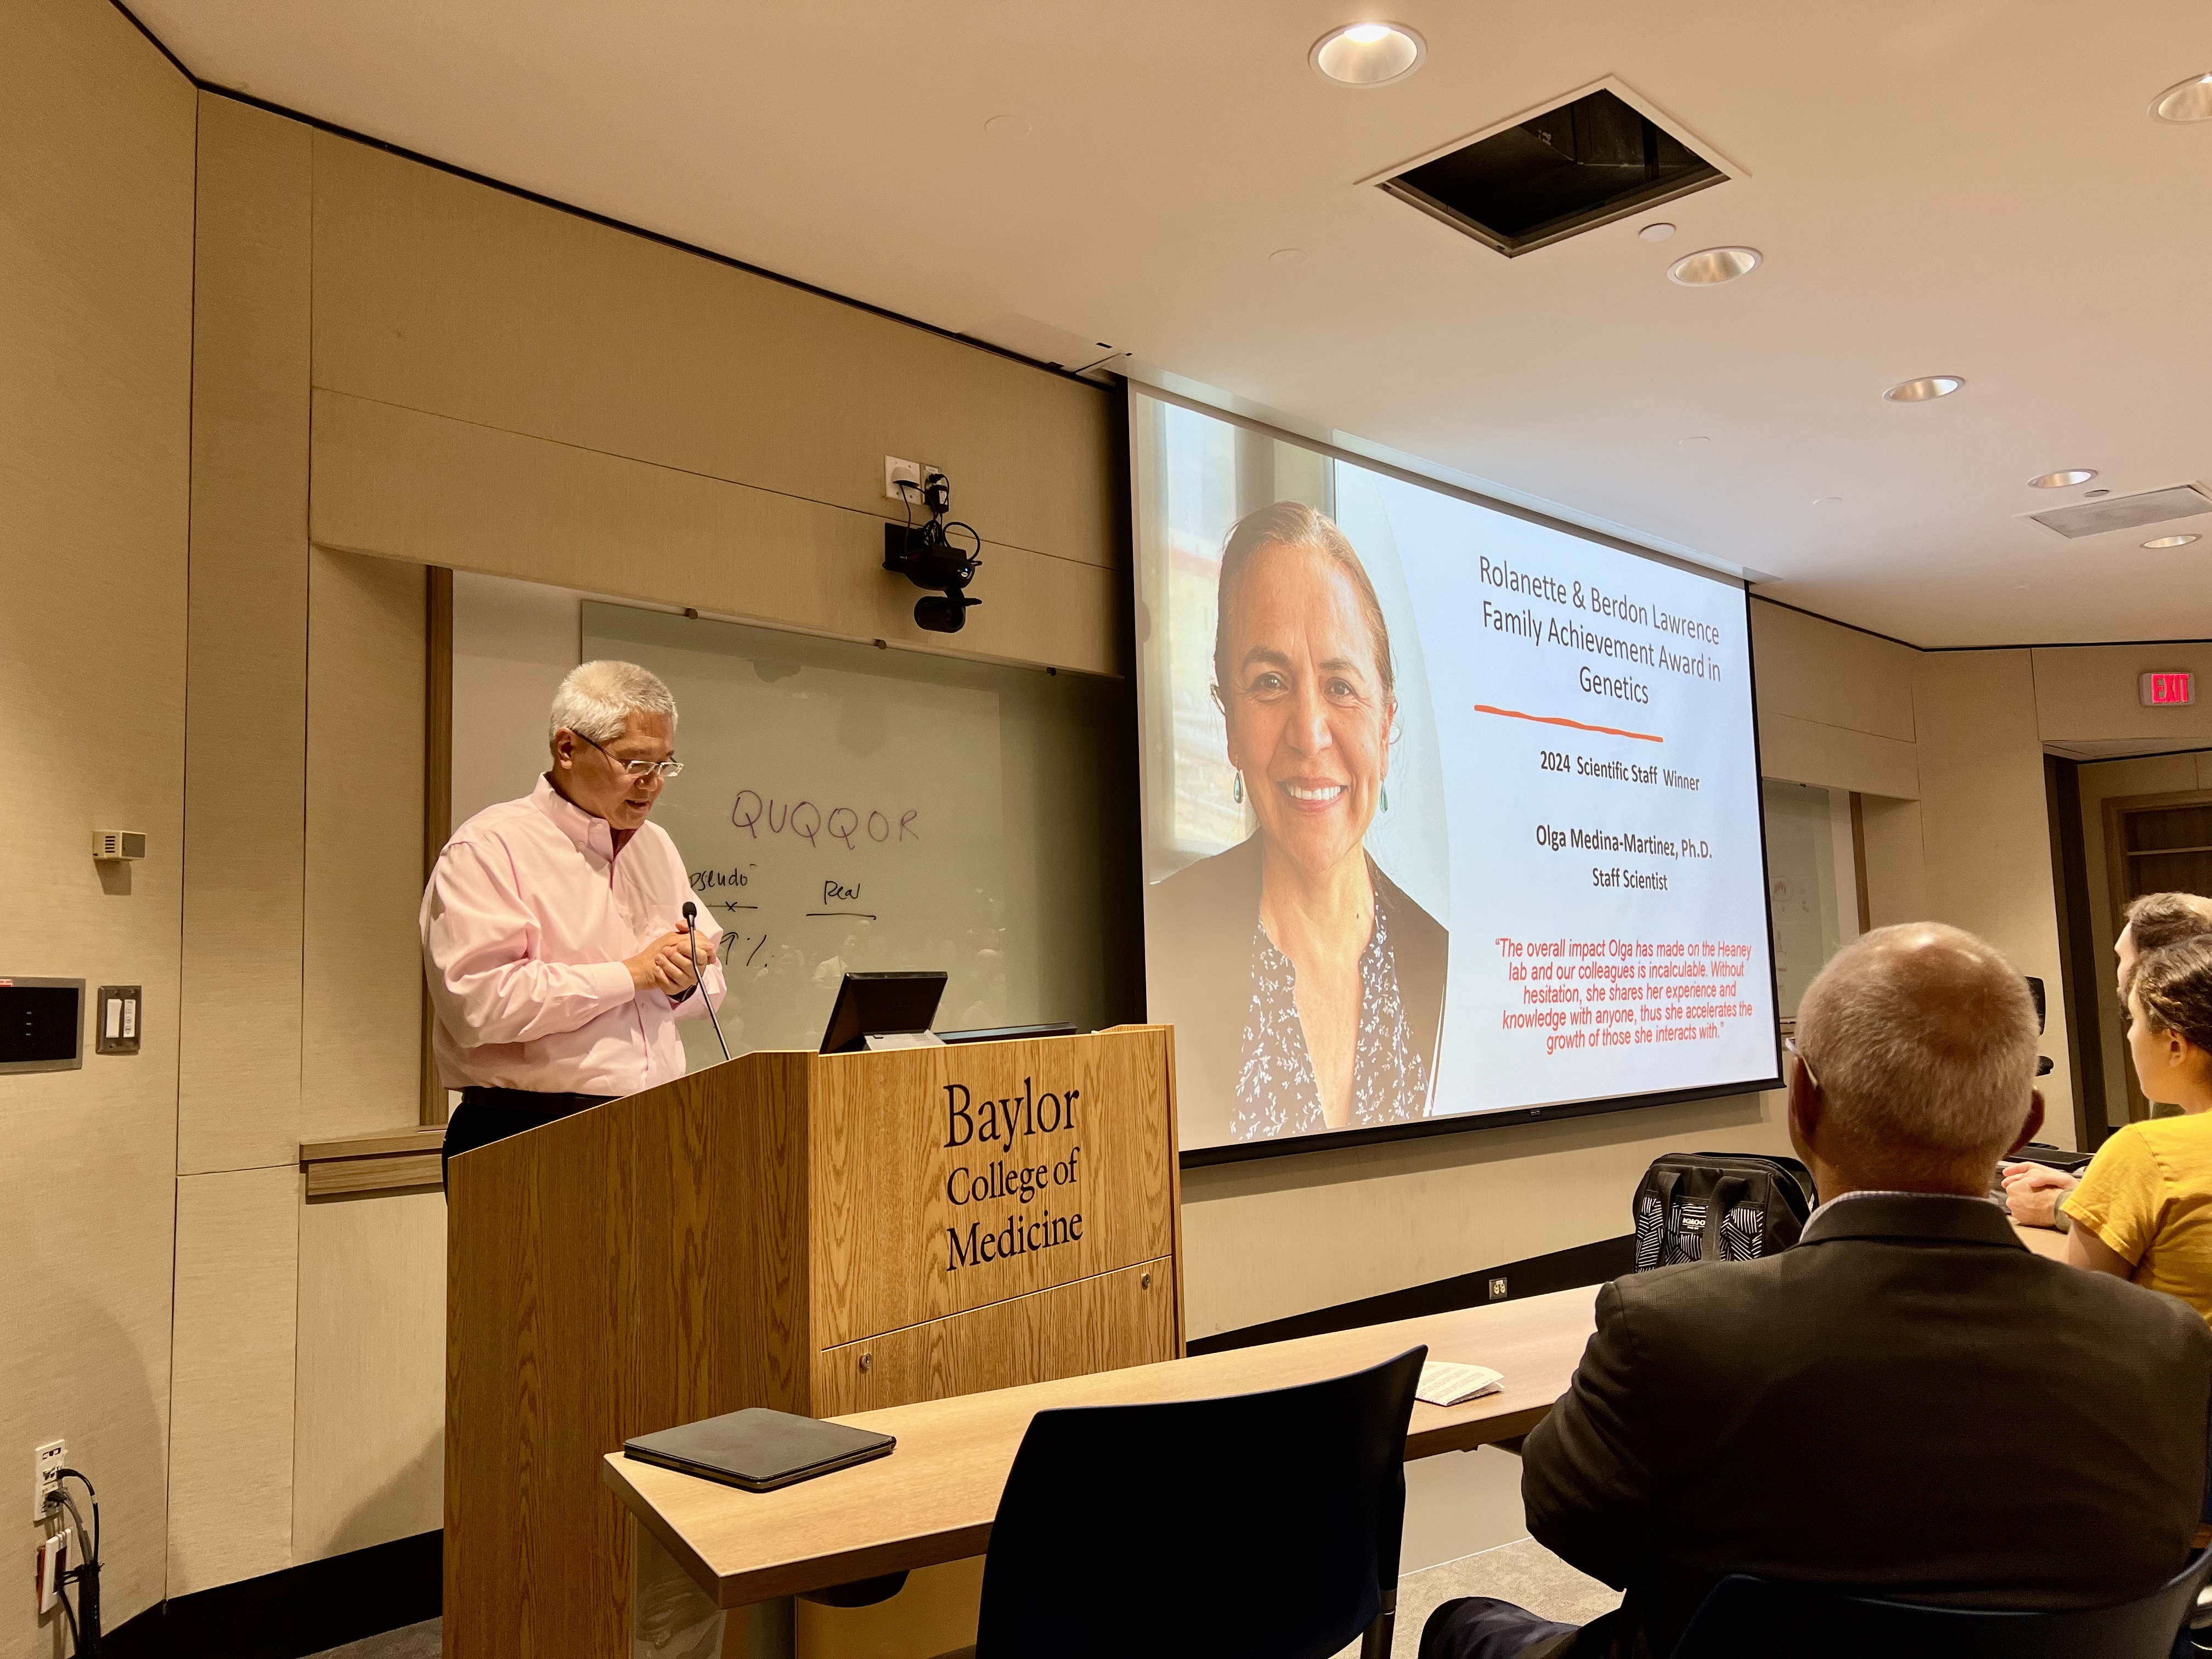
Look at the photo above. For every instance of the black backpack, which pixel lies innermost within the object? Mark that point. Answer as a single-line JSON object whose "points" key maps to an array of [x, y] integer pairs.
{"points": [[1763, 1202]]}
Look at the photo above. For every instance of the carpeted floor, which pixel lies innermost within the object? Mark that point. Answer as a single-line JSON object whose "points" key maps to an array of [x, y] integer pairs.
{"points": [[1523, 1571], [413, 1642]]}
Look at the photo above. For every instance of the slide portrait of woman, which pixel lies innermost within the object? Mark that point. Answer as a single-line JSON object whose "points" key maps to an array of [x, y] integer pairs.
{"points": [[1306, 986]]}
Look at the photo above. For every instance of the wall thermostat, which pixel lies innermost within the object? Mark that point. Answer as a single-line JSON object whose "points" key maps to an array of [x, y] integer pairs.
{"points": [[108, 845]]}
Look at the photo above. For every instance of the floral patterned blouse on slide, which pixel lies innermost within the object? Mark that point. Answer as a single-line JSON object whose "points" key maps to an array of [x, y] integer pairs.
{"points": [[1276, 1094]]}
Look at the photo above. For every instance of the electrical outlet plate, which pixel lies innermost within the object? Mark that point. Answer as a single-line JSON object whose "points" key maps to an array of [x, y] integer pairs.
{"points": [[1497, 1290], [53, 1561], [893, 469], [45, 1474]]}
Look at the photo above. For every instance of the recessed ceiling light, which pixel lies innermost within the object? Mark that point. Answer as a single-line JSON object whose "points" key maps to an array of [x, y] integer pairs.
{"points": [[1927, 387], [1283, 257], [1829, 500], [2065, 480], [1713, 264], [1699, 439], [2186, 100], [1657, 233], [1007, 126], [2170, 541], [1368, 54], [2088, 494]]}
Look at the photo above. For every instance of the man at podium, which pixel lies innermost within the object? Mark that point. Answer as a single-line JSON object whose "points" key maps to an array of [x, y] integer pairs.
{"points": [[554, 935]]}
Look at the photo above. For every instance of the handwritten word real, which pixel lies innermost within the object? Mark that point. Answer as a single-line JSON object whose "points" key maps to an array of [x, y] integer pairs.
{"points": [[811, 822]]}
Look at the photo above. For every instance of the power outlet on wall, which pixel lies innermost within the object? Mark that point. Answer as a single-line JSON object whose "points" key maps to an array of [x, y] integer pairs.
{"points": [[45, 1474], [897, 472]]}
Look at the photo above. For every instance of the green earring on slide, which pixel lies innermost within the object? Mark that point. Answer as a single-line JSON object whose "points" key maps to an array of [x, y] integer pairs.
{"points": [[1236, 794], [1386, 796]]}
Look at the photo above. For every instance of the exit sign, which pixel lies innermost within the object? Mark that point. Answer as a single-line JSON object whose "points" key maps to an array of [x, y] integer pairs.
{"points": [[2167, 689]]}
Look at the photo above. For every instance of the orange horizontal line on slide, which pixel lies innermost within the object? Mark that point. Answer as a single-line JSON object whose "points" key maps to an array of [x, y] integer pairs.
{"points": [[1557, 720]]}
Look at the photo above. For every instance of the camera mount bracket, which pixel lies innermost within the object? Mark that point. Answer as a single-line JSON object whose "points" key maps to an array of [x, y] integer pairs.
{"points": [[925, 555]]}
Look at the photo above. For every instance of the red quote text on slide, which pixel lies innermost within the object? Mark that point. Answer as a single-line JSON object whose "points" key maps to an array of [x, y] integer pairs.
{"points": [[1575, 993]]}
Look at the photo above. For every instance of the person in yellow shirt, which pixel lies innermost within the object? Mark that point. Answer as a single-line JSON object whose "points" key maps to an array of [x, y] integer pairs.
{"points": [[2143, 1210], [2035, 1193]]}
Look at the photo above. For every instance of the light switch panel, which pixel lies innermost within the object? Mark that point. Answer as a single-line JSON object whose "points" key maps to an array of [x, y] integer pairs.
{"points": [[117, 1019]]}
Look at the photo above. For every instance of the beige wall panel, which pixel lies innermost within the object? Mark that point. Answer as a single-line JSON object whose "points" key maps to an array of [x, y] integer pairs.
{"points": [[245, 724], [1896, 863], [370, 1452], [2086, 692], [441, 294], [2150, 775], [1276, 1237], [405, 485], [1837, 757], [95, 423], [230, 1458], [1821, 671], [1986, 829], [361, 978]]}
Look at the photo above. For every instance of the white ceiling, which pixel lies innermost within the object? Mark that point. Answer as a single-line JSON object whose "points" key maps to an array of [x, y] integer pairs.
{"points": [[1959, 186]]}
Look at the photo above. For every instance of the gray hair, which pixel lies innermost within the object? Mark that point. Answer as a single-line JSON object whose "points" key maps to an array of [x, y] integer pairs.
{"points": [[1922, 1039], [597, 700]]}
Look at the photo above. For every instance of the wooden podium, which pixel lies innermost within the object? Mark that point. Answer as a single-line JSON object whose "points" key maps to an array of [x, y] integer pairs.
{"points": [[824, 1234]]}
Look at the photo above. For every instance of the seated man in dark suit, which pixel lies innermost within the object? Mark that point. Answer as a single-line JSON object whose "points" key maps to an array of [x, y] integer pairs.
{"points": [[1839, 1413]]}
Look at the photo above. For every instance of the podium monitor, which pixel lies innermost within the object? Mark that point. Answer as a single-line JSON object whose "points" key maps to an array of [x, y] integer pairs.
{"points": [[879, 1004]]}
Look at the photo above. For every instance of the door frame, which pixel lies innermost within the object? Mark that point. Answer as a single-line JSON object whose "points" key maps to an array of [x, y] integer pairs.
{"points": [[2118, 810]]}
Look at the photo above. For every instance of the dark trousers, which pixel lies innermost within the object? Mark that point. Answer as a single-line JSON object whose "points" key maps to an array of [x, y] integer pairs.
{"points": [[1481, 1627], [488, 1114]]}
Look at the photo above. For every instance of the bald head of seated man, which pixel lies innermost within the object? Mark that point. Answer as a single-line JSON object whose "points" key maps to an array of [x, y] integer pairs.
{"points": [[1838, 1413], [2035, 1192]]}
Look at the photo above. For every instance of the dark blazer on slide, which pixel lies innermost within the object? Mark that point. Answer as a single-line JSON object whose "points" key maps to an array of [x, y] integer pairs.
{"points": [[1908, 1402], [1198, 925]]}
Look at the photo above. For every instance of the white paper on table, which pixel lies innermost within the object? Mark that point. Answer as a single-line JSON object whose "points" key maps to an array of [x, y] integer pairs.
{"points": [[1443, 1383]]}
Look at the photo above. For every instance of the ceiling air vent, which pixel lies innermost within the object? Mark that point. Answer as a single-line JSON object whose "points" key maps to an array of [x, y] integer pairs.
{"points": [[2124, 512], [1569, 168]]}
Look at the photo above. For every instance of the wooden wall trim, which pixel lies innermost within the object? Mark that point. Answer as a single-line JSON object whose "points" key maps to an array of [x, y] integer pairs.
{"points": [[383, 1161]]}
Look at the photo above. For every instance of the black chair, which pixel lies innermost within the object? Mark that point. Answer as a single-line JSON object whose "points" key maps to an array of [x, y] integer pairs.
{"points": [[1262, 1526], [1747, 1618]]}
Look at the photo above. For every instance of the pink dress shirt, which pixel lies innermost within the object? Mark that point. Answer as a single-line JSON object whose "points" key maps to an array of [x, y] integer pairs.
{"points": [[528, 916]]}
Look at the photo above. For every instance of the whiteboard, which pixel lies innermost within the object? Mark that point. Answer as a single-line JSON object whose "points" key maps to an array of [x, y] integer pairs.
{"points": [[847, 808]]}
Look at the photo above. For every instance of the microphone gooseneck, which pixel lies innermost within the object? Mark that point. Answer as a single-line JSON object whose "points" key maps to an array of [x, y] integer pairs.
{"points": [[691, 934]]}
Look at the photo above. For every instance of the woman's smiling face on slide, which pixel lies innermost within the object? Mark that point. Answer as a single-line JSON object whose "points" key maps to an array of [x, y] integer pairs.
{"points": [[1308, 716]]}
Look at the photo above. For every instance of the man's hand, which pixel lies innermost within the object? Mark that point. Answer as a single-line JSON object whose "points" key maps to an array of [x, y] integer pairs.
{"points": [[664, 965], [2033, 1192]]}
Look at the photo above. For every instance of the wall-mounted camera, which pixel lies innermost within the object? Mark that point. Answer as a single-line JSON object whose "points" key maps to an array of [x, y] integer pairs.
{"points": [[927, 555]]}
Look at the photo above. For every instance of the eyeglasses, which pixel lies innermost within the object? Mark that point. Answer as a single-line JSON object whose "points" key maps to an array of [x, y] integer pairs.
{"points": [[667, 769], [1798, 1054]]}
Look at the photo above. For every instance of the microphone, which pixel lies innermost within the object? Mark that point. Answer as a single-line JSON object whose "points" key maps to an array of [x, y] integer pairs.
{"points": [[691, 934]]}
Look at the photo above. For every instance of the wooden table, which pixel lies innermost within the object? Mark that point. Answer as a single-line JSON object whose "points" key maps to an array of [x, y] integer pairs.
{"points": [[705, 1548], [932, 1500]]}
